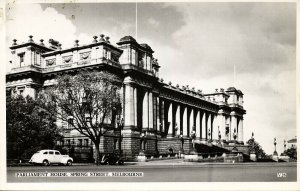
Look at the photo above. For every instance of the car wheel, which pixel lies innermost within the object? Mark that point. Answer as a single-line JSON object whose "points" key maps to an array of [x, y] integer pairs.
{"points": [[45, 162], [69, 163]]}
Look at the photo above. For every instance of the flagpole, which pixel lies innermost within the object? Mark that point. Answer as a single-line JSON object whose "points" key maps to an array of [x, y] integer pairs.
{"points": [[234, 76], [136, 15]]}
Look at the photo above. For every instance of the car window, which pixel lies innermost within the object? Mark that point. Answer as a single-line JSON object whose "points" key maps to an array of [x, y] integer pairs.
{"points": [[45, 153], [57, 153], [51, 152]]}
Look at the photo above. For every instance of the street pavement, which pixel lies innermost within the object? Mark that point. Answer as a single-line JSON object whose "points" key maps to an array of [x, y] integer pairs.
{"points": [[164, 171]]}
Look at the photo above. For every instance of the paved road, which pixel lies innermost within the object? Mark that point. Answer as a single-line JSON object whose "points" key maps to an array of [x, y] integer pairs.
{"points": [[167, 172]]}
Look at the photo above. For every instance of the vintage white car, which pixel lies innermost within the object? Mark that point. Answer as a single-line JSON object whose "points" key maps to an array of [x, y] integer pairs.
{"points": [[47, 157]]}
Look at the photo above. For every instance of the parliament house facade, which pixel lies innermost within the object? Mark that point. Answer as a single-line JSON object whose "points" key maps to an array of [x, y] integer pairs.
{"points": [[158, 118]]}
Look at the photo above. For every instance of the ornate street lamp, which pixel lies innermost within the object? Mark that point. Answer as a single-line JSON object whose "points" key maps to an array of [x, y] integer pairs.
{"points": [[275, 143], [176, 129], [234, 137], [209, 138], [193, 136], [181, 151], [219, 135], [120, 125], [234, 134], [181, 140], [142, 136]]}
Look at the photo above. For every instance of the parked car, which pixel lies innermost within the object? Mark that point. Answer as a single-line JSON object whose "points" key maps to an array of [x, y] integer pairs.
{"points": [[111, 159], [47, 157]]}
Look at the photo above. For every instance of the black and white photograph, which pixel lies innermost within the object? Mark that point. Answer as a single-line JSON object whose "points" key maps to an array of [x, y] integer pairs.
{"points": [[149, 95]]}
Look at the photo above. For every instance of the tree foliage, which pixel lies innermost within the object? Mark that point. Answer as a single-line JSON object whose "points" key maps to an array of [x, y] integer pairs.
{"points": [[256, 148], [91, 99], [28, 128], [291, 152]]}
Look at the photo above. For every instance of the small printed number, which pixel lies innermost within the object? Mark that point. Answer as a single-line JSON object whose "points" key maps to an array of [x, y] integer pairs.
{"points": [[281, 175]]}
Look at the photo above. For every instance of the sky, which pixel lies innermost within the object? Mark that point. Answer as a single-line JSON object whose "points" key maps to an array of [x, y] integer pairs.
{"points": [[196, 44]]}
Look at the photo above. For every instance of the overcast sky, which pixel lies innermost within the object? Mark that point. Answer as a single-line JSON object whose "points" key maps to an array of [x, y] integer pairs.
{"points": [[196, 44]]}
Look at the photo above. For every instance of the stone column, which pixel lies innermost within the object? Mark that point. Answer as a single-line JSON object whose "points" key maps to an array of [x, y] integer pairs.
{"points": [[240, 131], [135, 105], [204, 126], [215, 127], [191, 118], [122, 95], [209, 126], [233, 124], [154, 112], [129, 110], [170, 120], [157, 114], [150, 110], [177, 122], [162, 114], [146, 111], [198, 130], [184, 121], [222, 126]]}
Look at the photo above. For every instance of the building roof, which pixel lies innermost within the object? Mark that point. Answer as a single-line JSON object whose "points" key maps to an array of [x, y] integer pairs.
{"points": [[231, 89], [294, 140], [147, 47], [126, 39]]}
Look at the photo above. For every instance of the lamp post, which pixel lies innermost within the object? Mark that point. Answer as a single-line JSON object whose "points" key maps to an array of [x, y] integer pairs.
{"points": [[176, 128], [219, 135], [275, 152], [209, 138], [120, 125], [181, 151], [193, 136], [252, 151], [142, 136], [234, 137]]}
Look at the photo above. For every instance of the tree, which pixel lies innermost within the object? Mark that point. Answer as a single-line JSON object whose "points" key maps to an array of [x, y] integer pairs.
{"points": [[28, 128], [91, 99], [255, 147], [291, 152]]}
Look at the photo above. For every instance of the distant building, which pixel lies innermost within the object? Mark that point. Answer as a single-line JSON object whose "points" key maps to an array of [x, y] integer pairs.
{"points": [[292, 143], [167, 115]]}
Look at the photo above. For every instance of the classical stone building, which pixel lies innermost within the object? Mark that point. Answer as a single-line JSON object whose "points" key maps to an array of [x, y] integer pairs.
{"points": [[158, 118]]}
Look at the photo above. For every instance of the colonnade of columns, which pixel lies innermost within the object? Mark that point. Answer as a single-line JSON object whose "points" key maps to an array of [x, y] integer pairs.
{"points": [[173, 119]]}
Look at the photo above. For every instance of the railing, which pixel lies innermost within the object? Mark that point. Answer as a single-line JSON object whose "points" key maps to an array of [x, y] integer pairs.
{"points": [[134, 67], [60, 66], [235, 105], [26, 68]]}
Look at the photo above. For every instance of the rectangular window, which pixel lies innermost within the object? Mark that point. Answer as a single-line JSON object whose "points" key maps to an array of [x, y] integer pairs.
{"points": [[21, 58], [21, 91], [57, 153], [115, 143], [51, 152], [80, 142], [86, 142]]}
